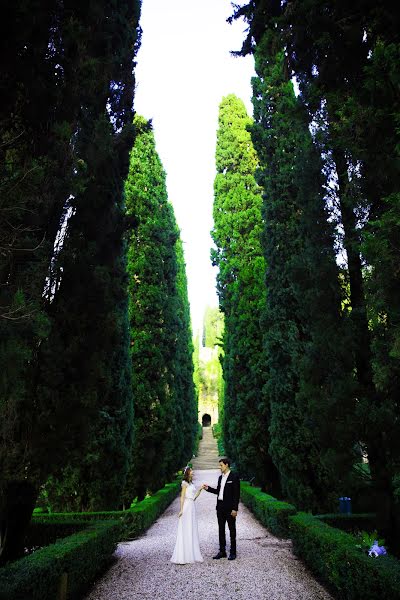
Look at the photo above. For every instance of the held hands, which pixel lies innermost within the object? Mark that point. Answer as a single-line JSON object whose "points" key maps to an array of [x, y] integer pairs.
{"points": [[204, 486]]}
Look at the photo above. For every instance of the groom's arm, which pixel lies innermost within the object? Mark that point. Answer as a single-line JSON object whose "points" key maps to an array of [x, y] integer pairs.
{"points": [[212, 490]]}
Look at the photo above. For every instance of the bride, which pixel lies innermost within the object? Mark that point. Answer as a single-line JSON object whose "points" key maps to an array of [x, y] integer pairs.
{"points": [[187, 549]]}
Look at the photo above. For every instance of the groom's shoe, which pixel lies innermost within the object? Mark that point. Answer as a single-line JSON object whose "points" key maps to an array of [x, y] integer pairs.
{"points": [[220, 555], [232, 556]]}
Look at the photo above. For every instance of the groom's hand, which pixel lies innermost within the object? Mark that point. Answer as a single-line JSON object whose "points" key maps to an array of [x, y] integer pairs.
{"points": [[234, 513], [204, 486]]}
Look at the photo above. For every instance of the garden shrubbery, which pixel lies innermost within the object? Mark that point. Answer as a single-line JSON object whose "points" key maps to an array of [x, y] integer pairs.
{"points": [[82, 555], [132, 521], [217, 433], [350, 522], [272, 513], [334, 556]]}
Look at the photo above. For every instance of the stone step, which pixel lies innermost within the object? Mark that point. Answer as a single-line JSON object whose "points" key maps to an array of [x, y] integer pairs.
{"points": [[207, 456]]}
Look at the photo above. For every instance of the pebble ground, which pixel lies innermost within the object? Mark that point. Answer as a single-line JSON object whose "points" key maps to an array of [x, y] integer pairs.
{"points": [[265, 569]]}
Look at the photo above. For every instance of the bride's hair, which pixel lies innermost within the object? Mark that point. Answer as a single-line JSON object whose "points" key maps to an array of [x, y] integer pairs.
{"points": [[186, 474]]}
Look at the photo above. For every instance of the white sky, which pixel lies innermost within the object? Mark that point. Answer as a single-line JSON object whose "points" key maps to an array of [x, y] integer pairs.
{"points": [[183, 70]]}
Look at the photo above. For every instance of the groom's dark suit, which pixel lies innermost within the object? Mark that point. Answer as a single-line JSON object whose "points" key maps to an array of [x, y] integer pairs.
{"points": [[225, 506]]}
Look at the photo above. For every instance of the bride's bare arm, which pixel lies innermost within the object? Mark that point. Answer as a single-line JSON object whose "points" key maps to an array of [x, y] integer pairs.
{"points": [[183, 494], [198, 493]]}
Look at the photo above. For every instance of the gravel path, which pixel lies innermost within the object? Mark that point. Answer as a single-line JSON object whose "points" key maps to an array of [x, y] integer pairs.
{"points": [[266, 567]]}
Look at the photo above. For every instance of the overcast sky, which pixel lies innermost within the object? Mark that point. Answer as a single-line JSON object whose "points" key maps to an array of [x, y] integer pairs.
{"points": [[183, 70]]}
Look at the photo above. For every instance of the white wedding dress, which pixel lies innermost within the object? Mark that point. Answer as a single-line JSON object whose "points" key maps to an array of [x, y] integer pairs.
{"points": [[187, 548]]}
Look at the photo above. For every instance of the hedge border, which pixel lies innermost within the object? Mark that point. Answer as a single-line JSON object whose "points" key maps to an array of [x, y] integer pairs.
{"points": [[272, 513], [134, 521], [333, 556], [82, 555]]}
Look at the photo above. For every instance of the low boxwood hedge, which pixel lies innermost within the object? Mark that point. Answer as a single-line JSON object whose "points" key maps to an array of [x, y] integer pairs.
{"points": [[43, 534], [82, 556], [332, 555], [272, 513], [353, 522], [133, 521]]}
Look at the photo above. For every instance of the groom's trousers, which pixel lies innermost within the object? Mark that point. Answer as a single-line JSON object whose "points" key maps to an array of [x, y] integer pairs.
{"points": [[224, 516]]}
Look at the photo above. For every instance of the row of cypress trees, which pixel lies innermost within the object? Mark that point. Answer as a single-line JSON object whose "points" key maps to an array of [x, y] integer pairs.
{"points": [[72, 372], [326, 386]]}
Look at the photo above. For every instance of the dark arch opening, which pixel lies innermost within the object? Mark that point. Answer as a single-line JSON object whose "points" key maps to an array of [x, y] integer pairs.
{"points": [[206, 420]]}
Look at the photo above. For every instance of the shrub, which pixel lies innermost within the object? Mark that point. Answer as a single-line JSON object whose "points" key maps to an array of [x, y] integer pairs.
{"points": [[332, 554], [42, 534], [133, 521], [199, 437], [350, 523], [272, 513], [82, 556]]}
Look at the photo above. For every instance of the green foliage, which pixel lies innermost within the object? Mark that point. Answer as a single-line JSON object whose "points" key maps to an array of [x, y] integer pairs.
{"points": [[367, 539], [66, 122], [217, 430], [310, 399], [198, 438], [345, 61], [83, 555], [240, 284], [161, 346], [352, 523], [133, 521], [333, 556], [272, 513], [213, 327]]}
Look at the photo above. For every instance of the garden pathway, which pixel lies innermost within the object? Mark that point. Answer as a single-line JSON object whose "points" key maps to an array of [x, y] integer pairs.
{"points": [[207, 455], [265, 569]]}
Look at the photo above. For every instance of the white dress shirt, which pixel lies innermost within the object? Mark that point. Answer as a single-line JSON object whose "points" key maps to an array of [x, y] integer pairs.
{"points": [[223, 482]]}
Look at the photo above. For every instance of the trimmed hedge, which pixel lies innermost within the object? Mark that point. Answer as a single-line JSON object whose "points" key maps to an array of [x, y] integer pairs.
{"points": [[272, 513], [345, 522], [44, 534], [133, 521], [332, 555], [82, 556]]}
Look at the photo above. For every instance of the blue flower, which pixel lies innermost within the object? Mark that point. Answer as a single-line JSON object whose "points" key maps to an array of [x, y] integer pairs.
{"points": [[377, 550]]}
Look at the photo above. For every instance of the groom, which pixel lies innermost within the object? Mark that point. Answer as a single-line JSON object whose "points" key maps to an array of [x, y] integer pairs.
{"points": [[228, 492]]}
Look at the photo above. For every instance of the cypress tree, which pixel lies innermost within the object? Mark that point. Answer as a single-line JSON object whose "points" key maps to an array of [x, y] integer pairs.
{"points": [[236, 233], [78, 148], [345, 60], [162, 372], [355, 82], [311, 441]]}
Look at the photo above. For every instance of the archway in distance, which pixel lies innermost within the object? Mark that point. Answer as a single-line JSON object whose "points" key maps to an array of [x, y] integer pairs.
{"points": [[206, 420]]}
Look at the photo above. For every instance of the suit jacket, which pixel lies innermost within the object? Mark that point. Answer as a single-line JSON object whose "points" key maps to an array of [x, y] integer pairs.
{"points": [[231, 491]]}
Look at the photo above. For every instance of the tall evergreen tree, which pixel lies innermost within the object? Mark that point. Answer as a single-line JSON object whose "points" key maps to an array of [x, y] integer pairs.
{"points": [[311, 435], [162, 378], [70, 88], [344, 58], [236, 233]]}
